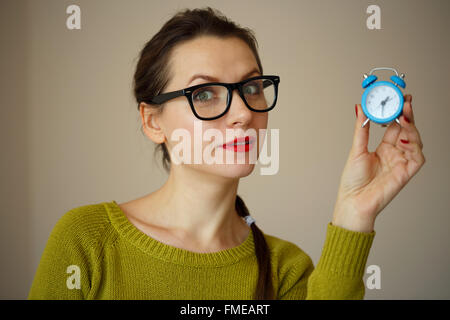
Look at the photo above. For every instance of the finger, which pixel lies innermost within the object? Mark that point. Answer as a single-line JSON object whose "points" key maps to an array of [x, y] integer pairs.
{"points": [[407, 122], [407, 107], [414, 155], [361, 135], [392, 133], [409, 132]]}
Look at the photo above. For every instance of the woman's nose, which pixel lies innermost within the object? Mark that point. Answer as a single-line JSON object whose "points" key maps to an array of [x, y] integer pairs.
{"points": [[238, 112]]}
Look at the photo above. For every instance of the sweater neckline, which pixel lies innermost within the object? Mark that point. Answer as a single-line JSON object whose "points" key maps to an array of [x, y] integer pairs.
{"points": [[173, 254]]}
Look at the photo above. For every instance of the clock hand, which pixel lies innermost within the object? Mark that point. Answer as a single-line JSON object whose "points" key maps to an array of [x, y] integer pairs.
{"points": [[383, 102], [386, 100]]}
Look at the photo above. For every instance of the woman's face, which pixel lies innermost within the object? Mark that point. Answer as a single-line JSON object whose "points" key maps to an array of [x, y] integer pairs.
{"points": [[227, 60]]}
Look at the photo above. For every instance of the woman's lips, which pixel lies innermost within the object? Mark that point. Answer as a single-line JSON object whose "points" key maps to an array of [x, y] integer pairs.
{"points": [[240, 144]]}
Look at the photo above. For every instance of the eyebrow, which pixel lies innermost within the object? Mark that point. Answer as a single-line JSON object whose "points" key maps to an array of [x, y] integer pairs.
{"points": [[214, 79]]}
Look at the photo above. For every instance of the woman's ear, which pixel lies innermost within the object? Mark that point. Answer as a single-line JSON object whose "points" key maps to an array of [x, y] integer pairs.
{"points": [[150, 124], [154, 124]]}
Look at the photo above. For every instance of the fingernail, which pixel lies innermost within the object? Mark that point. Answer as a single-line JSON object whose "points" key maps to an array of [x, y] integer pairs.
{"points": [[406, 119], [356, 110], [404, 141]]}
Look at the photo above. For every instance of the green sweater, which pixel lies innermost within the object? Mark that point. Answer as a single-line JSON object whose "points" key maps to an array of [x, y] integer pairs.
{"points": [[112, 259]]}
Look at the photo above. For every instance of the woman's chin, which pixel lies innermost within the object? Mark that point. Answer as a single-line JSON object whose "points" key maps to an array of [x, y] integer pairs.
{"points": [[229, 170]]}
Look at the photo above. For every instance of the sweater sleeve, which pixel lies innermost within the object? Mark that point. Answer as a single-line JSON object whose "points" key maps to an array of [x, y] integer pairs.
{"points": [[339, 272], [65, 269]]}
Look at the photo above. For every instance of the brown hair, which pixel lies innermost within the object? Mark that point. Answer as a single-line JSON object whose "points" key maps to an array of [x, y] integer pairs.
{"points": [[152, 76]]}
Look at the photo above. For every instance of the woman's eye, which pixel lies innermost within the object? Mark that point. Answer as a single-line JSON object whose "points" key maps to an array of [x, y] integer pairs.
{"points": [[251, 89], [203, 95]]}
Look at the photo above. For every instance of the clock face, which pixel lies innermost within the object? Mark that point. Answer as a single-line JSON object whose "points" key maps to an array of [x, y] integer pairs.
{"points": [[382, 101]]}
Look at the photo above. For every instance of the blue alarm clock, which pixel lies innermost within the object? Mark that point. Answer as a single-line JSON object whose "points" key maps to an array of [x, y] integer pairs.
{"points": [[382, 101]]}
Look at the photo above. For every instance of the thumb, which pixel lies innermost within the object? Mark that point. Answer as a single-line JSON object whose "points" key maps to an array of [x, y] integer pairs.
{"points": [[361, 135]]}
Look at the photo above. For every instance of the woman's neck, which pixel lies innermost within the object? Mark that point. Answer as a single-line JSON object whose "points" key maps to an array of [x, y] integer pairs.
{"points": [[198, 207]]}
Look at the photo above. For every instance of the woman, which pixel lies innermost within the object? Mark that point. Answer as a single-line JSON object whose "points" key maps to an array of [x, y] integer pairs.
{"points": [[194, 237]]}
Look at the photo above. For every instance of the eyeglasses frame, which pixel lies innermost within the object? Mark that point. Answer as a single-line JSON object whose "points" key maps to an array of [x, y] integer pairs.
{"points": [[187, 92]]}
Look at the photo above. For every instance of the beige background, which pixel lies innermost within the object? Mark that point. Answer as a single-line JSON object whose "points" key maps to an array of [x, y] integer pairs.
{"points": [[70, 128]]}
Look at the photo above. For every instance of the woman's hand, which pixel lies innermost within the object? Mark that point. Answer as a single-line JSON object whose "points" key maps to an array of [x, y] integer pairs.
{"points": [[370, 180]]}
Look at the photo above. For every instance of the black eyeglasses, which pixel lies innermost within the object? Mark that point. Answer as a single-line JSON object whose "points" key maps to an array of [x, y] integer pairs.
{"points": [[212, 100]]}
